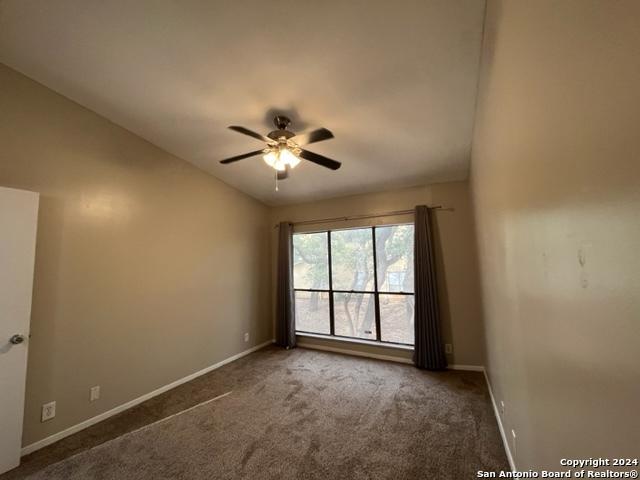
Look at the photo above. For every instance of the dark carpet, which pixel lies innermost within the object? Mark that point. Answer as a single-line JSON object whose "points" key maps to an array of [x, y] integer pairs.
{"points": [[304, 414]]}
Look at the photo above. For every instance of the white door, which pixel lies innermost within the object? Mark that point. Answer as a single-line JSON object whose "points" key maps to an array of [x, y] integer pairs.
{"points": [[18, 220]]}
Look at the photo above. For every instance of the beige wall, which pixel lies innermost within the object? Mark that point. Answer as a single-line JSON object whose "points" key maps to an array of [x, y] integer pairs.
{"points": [[147, 269], [556, 188], [455, 252]]}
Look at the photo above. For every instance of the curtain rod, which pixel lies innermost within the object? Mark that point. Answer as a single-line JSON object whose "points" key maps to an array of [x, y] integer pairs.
{"points": [[364, 217]]}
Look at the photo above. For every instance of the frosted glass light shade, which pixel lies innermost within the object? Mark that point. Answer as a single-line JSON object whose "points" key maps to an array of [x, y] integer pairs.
{"points": [[280, 160], [287, 157]]}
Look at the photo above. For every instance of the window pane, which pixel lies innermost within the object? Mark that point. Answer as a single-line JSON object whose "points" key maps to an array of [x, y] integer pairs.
{"points": [[396, 318], [394, 253], [355, 315], [310, 261], [312, 312], [352, 259]]}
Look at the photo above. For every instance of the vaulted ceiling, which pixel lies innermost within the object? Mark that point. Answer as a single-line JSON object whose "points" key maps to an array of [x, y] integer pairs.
{"points": [[394, 81]]}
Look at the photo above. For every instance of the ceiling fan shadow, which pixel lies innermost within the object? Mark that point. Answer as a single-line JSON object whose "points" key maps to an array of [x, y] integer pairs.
{"points": [[292, 112]]}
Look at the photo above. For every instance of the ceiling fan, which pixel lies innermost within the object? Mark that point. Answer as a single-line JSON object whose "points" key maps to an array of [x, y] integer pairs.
{"points": [[283, 150]]}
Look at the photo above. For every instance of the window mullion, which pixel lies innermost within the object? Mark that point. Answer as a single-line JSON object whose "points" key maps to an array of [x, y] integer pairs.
{"points": [[332, 327], [376, 297]]}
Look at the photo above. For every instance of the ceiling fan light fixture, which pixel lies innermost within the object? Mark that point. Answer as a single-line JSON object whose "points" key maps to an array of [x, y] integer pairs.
{"points": [[279, 159], [288, 157], [283, 150], [271, 159]]}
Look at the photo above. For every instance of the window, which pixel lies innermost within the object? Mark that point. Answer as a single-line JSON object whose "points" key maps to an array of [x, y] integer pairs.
{"points": [[355, 283]]}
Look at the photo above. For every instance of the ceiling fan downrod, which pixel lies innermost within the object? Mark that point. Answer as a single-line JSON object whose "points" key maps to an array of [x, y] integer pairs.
{"points": [[281, 122]]}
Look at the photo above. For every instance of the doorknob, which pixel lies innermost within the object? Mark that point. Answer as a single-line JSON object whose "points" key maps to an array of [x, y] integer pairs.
{"points": [[17, 339]]}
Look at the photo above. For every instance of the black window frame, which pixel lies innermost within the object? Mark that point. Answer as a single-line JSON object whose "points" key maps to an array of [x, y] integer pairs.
{"points": [[330, 291]]}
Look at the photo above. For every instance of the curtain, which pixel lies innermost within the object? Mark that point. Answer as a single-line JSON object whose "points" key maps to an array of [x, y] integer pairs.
{"points": [[429, 350], [285, 324]]}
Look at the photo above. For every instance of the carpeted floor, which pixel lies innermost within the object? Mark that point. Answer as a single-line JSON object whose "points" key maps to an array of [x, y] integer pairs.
{"points": [[304, 414]]}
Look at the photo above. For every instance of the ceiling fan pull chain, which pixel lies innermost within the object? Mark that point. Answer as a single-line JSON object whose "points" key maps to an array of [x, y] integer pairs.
{"points": [[276, 180]]}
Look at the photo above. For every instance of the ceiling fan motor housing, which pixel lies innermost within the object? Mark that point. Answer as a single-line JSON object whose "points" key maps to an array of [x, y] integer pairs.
{"points": [[278, 134], [281, 122]]}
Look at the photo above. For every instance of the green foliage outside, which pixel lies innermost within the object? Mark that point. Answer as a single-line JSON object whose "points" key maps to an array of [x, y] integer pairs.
{"points": [[352, 269]]}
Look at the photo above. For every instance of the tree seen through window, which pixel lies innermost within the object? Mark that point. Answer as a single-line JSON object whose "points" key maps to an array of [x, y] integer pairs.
{"points": [[356, 283]]}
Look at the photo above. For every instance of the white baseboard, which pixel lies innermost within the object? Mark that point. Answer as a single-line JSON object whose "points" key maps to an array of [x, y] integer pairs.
{"points": [[110, 413], [356, 353], [505, 442], [469, 368]]}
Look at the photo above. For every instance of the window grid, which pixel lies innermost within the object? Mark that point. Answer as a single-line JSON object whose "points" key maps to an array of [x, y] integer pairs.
{"points": [[332, 318], [376, 297], [375, 292]]}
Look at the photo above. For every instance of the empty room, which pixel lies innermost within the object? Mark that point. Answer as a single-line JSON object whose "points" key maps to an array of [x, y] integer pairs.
{"points": [[330, 239]]}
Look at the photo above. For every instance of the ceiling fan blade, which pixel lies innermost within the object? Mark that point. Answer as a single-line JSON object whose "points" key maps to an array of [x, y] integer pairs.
{"points": [[240, 157], [320, 160], [251, 133], [312, 137]]}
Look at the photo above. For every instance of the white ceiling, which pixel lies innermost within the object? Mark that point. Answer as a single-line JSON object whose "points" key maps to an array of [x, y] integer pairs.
{"points": [[394, 80]]}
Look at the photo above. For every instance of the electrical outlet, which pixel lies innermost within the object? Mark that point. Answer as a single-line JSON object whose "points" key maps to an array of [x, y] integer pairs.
{"points": [[448, 348], [513, 443], [48, 411], [94, 393], [501, 407], [246, 337]]}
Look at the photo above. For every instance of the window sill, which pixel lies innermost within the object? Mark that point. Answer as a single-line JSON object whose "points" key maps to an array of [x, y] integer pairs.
{"points": [[394, 346]]}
